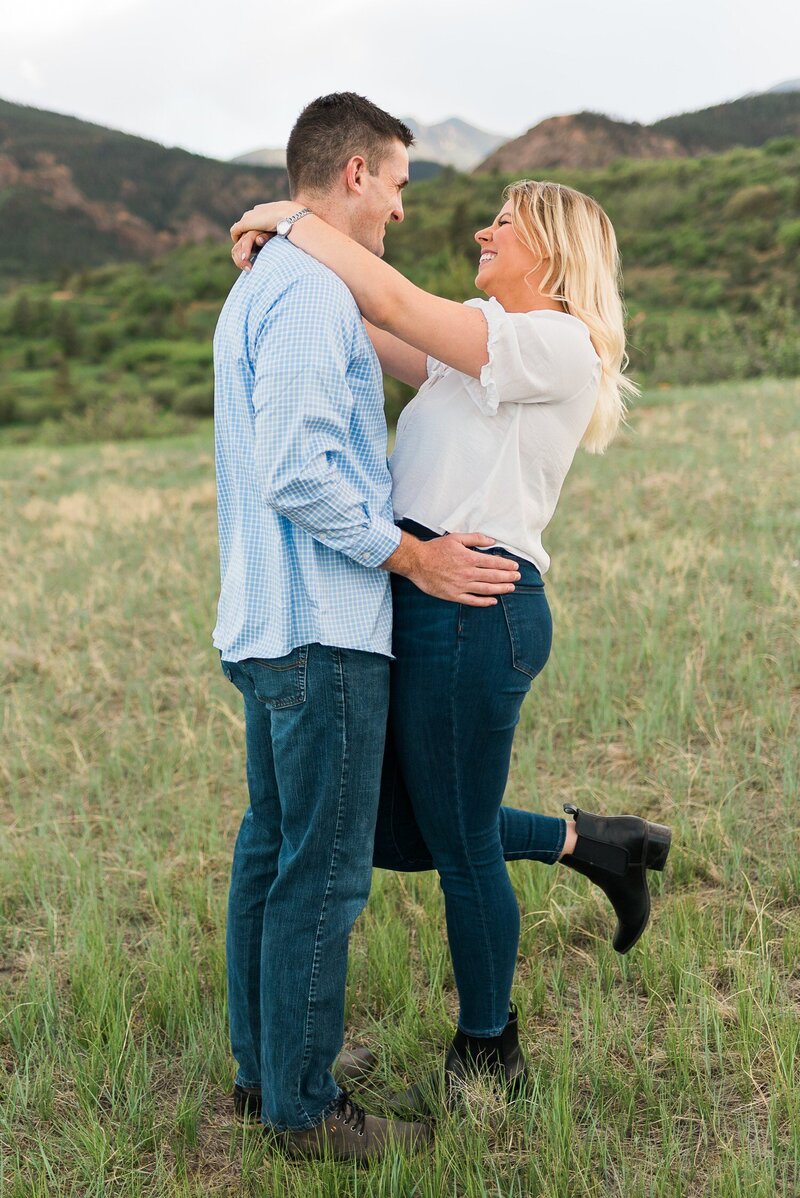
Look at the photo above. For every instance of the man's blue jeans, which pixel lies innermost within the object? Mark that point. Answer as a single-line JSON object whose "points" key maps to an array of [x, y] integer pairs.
{"points": [[315, 729]]}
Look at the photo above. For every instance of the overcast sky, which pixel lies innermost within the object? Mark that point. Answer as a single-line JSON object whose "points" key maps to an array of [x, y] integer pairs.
{"points": [[190, 75]]}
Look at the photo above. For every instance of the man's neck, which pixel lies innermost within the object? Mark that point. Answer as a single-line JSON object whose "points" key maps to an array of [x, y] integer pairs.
{"points": [[326, 208]]}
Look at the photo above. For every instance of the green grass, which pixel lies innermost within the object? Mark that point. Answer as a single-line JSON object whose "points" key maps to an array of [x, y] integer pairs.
{"points": [[672, 692]]}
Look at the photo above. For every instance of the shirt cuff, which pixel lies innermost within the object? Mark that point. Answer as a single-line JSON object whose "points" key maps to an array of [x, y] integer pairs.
{"points": [[378, 542]]}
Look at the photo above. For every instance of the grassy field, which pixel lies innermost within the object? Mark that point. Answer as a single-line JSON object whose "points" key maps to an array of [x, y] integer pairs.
{"points": [[672, 692]]}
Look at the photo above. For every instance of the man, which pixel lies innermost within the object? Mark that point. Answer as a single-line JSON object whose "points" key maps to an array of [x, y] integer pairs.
{"points": [[304, 626]]}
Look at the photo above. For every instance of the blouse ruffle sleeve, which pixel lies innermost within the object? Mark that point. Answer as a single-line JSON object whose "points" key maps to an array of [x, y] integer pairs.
{"points": [[533, 358], [434, 366]]}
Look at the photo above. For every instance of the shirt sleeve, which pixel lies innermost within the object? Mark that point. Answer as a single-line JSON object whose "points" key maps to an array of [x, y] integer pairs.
{"points": [[532, 358], [303, 405]]}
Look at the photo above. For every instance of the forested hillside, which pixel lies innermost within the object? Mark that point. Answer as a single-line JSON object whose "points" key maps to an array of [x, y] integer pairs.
{"points": [[73, 194], [709, 247], [750, 121]]}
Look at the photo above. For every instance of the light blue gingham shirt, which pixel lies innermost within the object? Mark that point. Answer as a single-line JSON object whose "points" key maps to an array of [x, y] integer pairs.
{"points": [[303, 487]]}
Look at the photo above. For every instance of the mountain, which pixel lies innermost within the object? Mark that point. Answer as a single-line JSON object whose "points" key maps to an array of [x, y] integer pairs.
{"points": [[98, 195], [75, 194], [592, 140], [274, 156], [586, 140], [749, 121], [419, 168], [452, 142], [709, 248], [791, 85]]}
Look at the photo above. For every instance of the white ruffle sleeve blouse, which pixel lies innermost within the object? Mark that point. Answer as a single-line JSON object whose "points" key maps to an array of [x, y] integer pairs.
{"points": [[490, 455]]}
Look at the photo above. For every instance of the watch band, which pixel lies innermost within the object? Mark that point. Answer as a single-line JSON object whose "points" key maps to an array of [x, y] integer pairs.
{"points": [[284, 226]]}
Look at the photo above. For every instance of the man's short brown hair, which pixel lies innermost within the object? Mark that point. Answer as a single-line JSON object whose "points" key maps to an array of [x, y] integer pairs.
{"points": [[330, 130]]}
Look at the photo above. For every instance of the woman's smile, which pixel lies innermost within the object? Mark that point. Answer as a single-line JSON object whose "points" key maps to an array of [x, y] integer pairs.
{"points": [[507, 276]]}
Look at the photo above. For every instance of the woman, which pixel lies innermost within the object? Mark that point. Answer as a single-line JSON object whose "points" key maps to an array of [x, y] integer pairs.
{"points": [[508, 389]]}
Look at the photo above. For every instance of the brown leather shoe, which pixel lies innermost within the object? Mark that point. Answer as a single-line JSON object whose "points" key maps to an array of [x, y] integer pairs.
{"points": [[354, 1065], [349, 1133], [351, 1066]]}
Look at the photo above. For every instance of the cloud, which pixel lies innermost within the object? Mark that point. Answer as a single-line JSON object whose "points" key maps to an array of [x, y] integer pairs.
{"points": [[46, 18], [193, 75], [30, 73]]}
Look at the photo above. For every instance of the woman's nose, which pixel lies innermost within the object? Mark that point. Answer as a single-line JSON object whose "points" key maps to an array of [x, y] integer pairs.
{"points": [[482, 235]]}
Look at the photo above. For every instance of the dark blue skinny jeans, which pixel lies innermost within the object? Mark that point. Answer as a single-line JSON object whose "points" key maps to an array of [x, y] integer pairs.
{"points": [[457, 686]]}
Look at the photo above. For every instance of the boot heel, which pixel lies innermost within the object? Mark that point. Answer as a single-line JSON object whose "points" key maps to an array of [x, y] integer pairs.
{"points": [[658, 842]]}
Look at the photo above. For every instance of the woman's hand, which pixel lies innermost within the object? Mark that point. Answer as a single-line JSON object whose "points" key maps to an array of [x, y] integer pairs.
{"points": [[256, 227], [242, 252]]}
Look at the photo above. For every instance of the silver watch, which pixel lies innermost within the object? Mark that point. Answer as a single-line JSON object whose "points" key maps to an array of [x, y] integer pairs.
{"points": [[283, 226]]}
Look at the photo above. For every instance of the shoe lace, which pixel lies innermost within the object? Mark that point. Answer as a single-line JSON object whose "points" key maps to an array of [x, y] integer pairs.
{"points": [[351, 1113]]}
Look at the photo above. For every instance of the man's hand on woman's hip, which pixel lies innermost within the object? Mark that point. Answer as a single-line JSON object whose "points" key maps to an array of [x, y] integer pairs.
{"points": [[449, 569]]}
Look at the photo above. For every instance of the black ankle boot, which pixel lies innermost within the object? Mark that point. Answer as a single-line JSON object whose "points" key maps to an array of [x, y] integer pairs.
{"points": [[615, 852], [499, 1057]]}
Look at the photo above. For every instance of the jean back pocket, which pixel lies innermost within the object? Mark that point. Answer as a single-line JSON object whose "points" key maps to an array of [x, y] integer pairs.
{"points": [[278, 682], [530, 628]]}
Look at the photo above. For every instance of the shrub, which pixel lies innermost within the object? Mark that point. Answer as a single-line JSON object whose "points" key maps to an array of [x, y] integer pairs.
{"points": [[8, 408], [689, 245], [146, 300], [210, 279], [116, 419], [66, 333], [164, 392], [135, 354], [703, 291], [102, 340], [62, 379], [788, 234], [197, 400], [757, 200], [778, 147]]}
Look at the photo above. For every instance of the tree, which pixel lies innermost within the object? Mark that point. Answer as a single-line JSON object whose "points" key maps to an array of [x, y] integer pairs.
{"points": [[22, 315], [66, 332]]}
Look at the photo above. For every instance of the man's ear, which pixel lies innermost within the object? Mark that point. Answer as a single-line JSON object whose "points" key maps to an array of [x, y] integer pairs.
{"points": [[354, 174]]}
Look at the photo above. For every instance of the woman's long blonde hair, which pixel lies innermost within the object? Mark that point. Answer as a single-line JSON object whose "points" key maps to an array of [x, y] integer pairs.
{"points": [[573, 233]]}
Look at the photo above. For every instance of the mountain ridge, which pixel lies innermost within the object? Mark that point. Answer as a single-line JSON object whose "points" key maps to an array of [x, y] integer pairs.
{"points": [[592, 139], [104, 195], [452, 142], [585, 140]]}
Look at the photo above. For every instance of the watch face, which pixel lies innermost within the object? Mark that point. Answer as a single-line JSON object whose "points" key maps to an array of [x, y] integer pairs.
{"points": [[283, 227]]}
